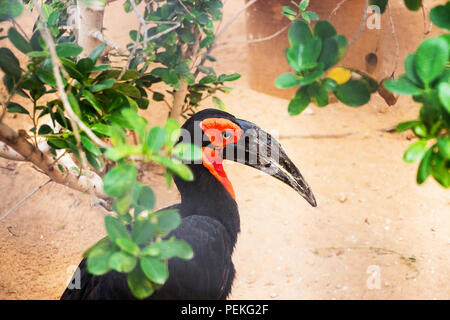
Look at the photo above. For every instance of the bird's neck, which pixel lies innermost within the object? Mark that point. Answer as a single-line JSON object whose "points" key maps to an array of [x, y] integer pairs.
{"points": [[207, 196]]}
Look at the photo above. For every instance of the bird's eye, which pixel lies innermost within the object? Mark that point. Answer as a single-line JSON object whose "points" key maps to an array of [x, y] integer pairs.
{"points": [[227, 134]]}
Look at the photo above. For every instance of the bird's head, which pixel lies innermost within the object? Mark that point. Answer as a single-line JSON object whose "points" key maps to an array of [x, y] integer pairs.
{"points": [[222, 136]]}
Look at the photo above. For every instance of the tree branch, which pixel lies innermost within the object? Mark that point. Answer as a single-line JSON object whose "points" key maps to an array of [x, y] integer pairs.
{"points": [[88, 181], [63, 96]]}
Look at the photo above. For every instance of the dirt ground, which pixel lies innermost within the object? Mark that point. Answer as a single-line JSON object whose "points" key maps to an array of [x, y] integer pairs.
{"points": [[374, 235]]}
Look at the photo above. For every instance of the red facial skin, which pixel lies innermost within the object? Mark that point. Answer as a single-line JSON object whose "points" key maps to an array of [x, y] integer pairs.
{"points": [[214, 128]]}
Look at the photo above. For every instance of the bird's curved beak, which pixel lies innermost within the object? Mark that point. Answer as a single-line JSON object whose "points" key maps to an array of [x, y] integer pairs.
{"points": [[258, 149]]}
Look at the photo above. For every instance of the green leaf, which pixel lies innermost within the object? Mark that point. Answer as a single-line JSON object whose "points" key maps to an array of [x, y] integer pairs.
{"points": [[155, 139], [143, 231], [98, 244], [312, 76], [101, 67], [380, 4], [143, 197], [187, 151], [292, 57], [402, 86], [440, 16], [9, 63], [85, 65], [318, 93], [168, 220], [444, 146], [95, 161], [324, 30], [100, 128], [122, 206], [46, 11], [152, 250], [353, 93], [115, 228], [420, 130], [154, 269], [303, 5], [407, 125], [95, 54], [440, 170], [10, 9], [310, 16], [219, 104], [228, 77], [53, 18], [45, 129], [329, 84], [74, 104], [424, 167], [431, 59], [309, 52], [299, 33], [89, 145], [299, 102], [444, 95], [121, 151], [288, 10], [330, 53], [169, 249], [46, 77], [16, 108], [172, 128], [410, 70], [127, 245], [38, 54], [177, 167], [19, 41], [92, 100], [287, 80], [102, 85], [68, 49], [119, 179], [98, 259], [138, 283], [122, 262], [413, 5], [127, 89], [415, 151]]}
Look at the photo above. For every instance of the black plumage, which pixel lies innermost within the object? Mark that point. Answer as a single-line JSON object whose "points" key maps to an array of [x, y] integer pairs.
{"points": [[210, 224]]}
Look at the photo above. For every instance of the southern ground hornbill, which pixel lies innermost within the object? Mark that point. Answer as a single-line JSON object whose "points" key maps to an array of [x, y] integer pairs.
{"points": [[210, 217]]}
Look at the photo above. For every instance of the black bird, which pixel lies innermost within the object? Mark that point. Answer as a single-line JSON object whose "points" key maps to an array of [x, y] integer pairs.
{"points": [[210, 217]]}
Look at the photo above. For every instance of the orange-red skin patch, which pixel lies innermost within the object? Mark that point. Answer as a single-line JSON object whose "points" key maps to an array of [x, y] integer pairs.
{"points": [[213, 162], [213, 128]]}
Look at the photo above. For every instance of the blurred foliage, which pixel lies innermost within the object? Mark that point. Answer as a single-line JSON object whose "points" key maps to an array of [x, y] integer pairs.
{"points": [[181, 54], [138, 240], [313, 52], [427, 80]]}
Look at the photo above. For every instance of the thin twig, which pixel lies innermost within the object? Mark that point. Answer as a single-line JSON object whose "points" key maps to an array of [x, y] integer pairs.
{"points": [[185, 8], [336, 9], [425, 15], [56, 67], [18, 26], [24, 199], [6, 168], [270, 37], [141, 22], [234, 17], [394, 36], [362, 26]]}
